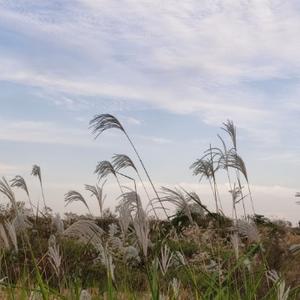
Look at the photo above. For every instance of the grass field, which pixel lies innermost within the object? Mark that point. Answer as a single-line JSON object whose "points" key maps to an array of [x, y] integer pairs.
{"points": [[189, 252]]}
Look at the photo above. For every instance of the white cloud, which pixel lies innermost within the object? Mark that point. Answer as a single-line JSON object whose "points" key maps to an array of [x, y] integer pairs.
{"points": [[187, 57], [216, 59], [43, 132], [56, 133]]}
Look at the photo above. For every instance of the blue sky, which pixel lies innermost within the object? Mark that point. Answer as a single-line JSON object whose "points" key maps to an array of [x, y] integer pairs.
{"points": [[171, 71]]}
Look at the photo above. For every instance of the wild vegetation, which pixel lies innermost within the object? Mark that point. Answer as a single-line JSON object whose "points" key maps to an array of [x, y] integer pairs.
{"points": [[168, 245]]}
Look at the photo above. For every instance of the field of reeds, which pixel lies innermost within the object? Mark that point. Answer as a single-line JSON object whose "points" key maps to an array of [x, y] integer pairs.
{"points": [[168, 245]]}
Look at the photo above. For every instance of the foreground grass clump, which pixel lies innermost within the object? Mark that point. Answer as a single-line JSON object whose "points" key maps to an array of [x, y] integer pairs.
{"points": [[132, 254]]}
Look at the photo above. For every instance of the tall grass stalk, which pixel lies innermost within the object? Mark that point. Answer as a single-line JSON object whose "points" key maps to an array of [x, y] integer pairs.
{"points": [[103, 122]]}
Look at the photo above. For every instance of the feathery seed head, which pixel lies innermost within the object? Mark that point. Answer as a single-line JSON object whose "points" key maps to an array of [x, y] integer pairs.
{"points": [[102, 122], [165, 259], [19, 182], [36, 171], [86, 231], [54, 256], [58, 223], [279, 282], [121, 161], [73, 196], [249, 230], [231, 130], [97, 192], [7, 191], [104, 168], [177, 198]]}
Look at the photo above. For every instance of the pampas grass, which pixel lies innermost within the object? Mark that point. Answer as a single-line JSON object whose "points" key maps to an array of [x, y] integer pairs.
{"points": [[97, 192], [194, 254], [103, 122], [74, 196], [36, 171]]}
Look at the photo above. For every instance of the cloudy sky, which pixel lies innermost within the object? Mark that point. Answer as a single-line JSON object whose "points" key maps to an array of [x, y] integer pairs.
{"points": [[171, 71]]}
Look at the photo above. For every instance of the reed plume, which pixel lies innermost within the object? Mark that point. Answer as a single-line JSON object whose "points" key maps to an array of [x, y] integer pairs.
{"points": [[74, 196], [36, 171], [102, 122]]}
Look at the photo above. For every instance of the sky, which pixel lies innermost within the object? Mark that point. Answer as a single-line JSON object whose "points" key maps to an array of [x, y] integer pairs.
{"points": [[171, 72]]}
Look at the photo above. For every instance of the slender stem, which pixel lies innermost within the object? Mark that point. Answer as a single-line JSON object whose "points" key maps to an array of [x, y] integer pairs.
{"points": [[242, 195], [146, 172], [43, 196], [214, 180], [135, 188], [214, 195], [119, 184], [251, 199], [153, 208], [31, 205]]}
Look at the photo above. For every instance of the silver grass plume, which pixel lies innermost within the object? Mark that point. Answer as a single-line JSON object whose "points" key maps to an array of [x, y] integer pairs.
{"points": [[177, 198], [8, 192], [54, 256], [235, 161], [58, 223], [113, 240], [238, 161], [103, 122], [282, 292], [207, 167], [249, 230], [97, 192], [104, 168], [122, 161], [180, 258], [131, 254], [124, 209], [4, 238], [204, 167], [8, 235], [165, 261], [74, 196], [86, 231], [132, 199], [21, 222], [106, 260], [236, 195], [36, 171], [142, 230], [12, 234], [231, 130], [19, 182], [196, 207]]}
